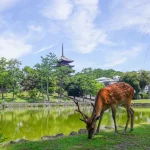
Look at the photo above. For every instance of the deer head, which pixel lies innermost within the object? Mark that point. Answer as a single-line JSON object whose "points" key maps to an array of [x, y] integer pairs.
{"points": [[89, 121]]}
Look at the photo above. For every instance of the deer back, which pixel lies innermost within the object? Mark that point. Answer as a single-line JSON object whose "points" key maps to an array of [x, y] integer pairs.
{"points": [[117, 93]]}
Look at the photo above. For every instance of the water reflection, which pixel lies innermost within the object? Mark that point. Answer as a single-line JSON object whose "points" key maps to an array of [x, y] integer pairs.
{"points": [[34, 123]]}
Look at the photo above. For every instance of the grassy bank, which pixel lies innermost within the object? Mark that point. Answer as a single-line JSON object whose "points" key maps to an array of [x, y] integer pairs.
{"points": [[141, 101], [26, 99], [53, 98], [106, 140]]}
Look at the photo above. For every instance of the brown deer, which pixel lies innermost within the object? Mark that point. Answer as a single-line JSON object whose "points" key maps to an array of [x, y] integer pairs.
{"points": [[109, 97]]}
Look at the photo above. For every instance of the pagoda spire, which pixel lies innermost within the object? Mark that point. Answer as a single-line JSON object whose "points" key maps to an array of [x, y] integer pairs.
{"points": [[62, 50]]}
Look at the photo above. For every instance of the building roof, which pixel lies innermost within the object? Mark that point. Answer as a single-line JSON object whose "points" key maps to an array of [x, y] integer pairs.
{"points": [[63, 58], [105, 79]]}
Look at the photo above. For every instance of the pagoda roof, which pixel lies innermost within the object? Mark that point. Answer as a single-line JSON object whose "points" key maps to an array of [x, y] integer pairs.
{"points": [[63, 58]]}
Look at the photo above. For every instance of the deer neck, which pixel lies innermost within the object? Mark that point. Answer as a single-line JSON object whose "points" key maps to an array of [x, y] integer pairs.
{"points": [[97, 107]]}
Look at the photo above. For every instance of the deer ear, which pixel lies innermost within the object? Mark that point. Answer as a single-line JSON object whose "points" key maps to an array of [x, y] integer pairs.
{"points": [[96, 118]]}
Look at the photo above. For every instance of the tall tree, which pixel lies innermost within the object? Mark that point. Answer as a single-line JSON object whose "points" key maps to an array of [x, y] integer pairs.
{"points": [[14, 74], [132, 78], [48, 67], [63, 73], [144, 77], [3, 75]]}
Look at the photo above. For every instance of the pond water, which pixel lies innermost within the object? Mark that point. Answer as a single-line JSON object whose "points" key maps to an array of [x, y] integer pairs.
{"points": [[34, 123]]}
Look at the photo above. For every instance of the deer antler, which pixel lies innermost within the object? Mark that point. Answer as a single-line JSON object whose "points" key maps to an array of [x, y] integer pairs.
{"points": [[84, 116]]}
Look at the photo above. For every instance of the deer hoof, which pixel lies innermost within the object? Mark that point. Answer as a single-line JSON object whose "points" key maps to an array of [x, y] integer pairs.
{"points": [[131, 130]]}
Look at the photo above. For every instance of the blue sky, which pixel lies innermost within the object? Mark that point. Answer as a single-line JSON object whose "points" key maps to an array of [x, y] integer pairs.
{"points": [[107, 34]]}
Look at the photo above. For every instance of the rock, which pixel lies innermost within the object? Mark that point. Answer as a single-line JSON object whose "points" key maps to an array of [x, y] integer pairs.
{"points": [[73, 133], [82, 131], [108, 127], [47, 137], [12, 142], [22, 140], [59, 135]]}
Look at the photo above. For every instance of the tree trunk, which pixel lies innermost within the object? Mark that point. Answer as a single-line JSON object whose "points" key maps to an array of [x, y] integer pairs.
{"points": [[47, 90], [13, 93], [60, 88], [2, 92], [42, 91]]}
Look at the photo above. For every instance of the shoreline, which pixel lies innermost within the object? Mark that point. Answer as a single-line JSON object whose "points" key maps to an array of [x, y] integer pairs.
{"points": [[49, 104]]}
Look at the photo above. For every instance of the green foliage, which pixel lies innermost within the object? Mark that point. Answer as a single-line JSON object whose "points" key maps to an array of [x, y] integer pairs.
{"points": [[47, 78], [20, 95], [82, 84], [51, 90], [33, 93], [144, 95], [2, 138], [138, 80], [144, 77]]}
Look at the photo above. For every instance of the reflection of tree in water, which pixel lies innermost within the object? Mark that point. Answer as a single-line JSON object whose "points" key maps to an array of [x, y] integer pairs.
{"points": [[34, 123]]}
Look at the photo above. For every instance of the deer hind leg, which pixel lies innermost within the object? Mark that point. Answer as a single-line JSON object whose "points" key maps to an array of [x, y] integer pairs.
{"points": [[113, 108], [128, 118], [99, 123], [132, 118]]}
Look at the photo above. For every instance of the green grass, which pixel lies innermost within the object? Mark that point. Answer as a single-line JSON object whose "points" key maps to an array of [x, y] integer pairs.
{"points": [[141, 101], [27, 99], [139, 139]]}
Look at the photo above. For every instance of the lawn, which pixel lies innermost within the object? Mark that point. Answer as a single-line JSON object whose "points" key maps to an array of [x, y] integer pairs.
{"points": [[141, 101], [139, 139], [26, 98]]}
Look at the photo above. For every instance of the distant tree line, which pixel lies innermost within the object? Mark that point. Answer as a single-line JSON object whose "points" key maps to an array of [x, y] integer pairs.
{"points": [[45, 78]]}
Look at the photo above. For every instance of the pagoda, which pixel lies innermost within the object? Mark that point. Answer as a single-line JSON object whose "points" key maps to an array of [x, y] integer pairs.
{"points": [[64, 61]]}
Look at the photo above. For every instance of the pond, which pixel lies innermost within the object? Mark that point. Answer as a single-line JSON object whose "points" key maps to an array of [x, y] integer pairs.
{"points": [[33, 123]]}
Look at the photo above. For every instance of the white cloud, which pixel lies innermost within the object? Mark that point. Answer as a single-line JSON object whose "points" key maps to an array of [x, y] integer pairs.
{"points": [[118, 57], [44, 49], [84, 33], [127, 14], [12, 46], [35, 28], [58, 9], [79, 25], [6, 4]]}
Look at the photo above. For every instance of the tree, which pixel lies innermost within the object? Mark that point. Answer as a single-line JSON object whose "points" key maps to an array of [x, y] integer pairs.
{"points": [[82, 84], [30, 78], [14, 73], [48, 67], [63, 74], [132, 78], [3, 75], [144, 77]]}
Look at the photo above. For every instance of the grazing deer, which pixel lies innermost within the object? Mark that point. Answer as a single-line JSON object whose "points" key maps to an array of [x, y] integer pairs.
{"points": [[109, 97]]}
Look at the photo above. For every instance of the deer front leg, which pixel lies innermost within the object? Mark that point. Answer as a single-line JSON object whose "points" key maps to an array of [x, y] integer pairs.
{"points": [[113, 108], [100, 119]]}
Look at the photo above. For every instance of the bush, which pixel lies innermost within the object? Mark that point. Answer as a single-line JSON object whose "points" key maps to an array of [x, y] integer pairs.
{"points": [[33, 93], [144, 95], [20, 95], [51, 90], [16, 92]]}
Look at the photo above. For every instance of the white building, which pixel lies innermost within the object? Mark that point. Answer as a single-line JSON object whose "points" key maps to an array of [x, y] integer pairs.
{"points": [[108, 81]]}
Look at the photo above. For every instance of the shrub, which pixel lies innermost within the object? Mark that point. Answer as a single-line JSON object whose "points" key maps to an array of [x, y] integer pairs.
{"points": [[51, 90], [33, 93], [20, 95], [144, 95]]}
